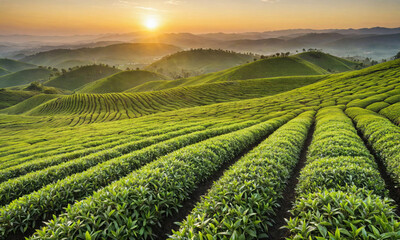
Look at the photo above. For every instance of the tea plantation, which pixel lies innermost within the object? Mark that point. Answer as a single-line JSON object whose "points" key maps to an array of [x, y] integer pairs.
{"points": [[253, 159]]}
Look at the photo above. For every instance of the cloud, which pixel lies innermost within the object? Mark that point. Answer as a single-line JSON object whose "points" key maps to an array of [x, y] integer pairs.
{"points": [[173, 2], [270, 1], [148, 9]]}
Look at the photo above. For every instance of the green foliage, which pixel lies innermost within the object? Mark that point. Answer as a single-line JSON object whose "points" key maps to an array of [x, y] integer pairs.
{"points": [[242, 203], [343, 215], [382, 135], [154, 191], [340, 188]]}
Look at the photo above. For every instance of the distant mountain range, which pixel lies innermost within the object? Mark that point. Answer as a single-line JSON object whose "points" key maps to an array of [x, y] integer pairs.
{"points": [[377, 42]]}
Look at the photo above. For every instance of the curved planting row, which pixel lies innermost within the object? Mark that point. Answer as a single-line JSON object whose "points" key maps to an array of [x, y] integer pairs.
{"points": [[22, 214], [32, 181], [341, 193], [383, 136], [133, 206], [242, 203], [123, 145]]}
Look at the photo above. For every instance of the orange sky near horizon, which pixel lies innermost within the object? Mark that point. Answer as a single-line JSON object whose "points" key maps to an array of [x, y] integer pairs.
{"points": [[113, 16]]}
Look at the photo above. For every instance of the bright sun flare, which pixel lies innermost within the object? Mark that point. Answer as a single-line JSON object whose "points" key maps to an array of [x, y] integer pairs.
{"points": [[151, 23]]}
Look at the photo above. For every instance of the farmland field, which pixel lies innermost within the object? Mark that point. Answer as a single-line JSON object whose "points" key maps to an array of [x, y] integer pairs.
{"points": [[251, 159]]}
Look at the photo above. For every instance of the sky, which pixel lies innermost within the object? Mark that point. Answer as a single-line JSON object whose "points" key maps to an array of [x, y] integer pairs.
{"points": [[65, 17]]}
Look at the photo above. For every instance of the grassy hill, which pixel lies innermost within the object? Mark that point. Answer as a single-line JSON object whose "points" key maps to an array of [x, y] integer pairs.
{"points": [[25, 77], [120, 82], [29, 104], [11, 97], [266, 68], [83, 75], [15, 66], [73, 63], [3, 71], [328, 62], [112, 55], [140, 104], [198, 61]]}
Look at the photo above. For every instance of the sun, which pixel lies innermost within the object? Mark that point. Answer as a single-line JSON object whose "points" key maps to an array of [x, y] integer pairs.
{"points": [[151, 23]]}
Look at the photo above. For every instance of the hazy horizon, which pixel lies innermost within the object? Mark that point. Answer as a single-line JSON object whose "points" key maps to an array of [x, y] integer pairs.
{"points": [[46, 17]]}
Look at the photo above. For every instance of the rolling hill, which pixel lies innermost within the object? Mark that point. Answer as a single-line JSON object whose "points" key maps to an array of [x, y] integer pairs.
{"points": [[266, 68], [328, 62], [11, 97], [198, 61], [120, 82], [3, 71], [28, 104], [25, 77], [76, 78], [114, 54], [145, 103], [15, 66]]}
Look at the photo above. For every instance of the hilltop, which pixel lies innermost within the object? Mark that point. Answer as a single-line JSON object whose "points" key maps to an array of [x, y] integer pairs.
{"points": [[15, 66], [25, 77], [80, 76], [328, 62], [198, 61], [265, 68], [113, 54], [120, 82]]}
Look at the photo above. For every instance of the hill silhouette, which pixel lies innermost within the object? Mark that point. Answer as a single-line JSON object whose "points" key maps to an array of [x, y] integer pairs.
{"points": [[198, 61], [120, 82], [78, 77], [25, 77], [114, 54]]}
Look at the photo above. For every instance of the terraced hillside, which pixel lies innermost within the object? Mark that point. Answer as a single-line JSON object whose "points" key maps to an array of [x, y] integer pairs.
{"points": [[120, 82], [78, 77], [198, 61], [106, 107], [266, 68], [223, 171]]}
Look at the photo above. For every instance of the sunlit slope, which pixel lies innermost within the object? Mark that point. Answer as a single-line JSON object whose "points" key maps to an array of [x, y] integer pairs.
{"points": [[336, 89], [11, 97], [25, 77], [120, 82], [29, 103], [100, 107], [15, 66], [271, 67], [83, 75], [198, 61], [328, 62]]}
